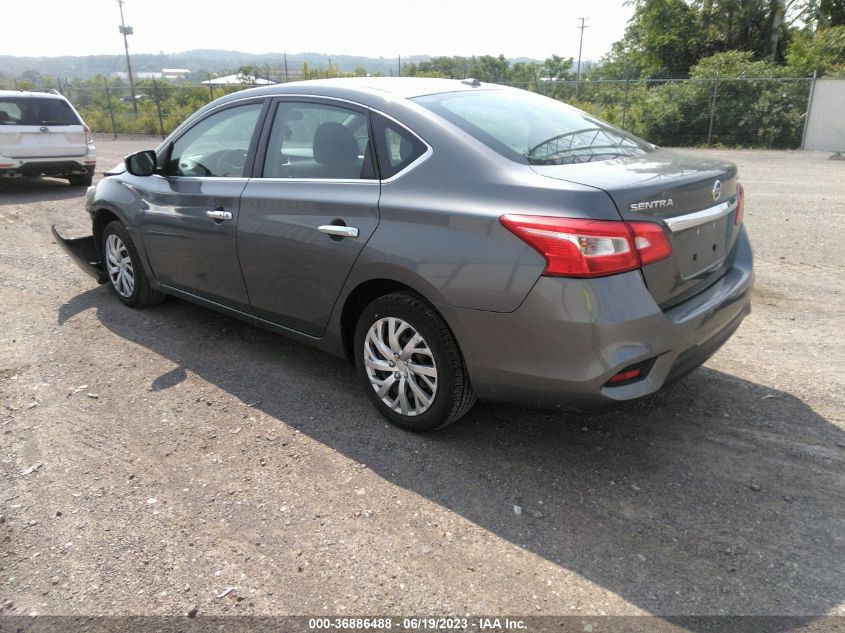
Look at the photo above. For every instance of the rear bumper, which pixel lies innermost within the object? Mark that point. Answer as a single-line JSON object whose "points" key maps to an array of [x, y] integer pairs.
{"points": [[83, 253], [47, 166], [570, 336]]}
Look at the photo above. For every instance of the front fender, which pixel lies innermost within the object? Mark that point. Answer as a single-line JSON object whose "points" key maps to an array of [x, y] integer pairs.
{"points": [[113, 198]]}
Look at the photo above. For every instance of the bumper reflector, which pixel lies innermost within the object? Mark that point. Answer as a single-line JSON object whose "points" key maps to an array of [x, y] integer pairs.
{"points": [[624, 376], [632, 373]]}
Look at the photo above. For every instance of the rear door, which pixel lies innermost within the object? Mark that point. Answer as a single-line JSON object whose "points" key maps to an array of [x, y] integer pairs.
{"points": [[309, 210], [190, 212], [40, 127]]}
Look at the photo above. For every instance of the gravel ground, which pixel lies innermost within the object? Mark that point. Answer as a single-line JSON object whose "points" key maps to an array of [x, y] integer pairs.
{"points": [[151, 460]]}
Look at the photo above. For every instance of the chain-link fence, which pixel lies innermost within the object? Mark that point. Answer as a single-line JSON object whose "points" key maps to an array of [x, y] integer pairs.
{"points": [[723, 111]]}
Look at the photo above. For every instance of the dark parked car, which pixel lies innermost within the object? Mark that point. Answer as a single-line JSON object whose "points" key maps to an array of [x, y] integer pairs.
{"points": [[454, 239]]}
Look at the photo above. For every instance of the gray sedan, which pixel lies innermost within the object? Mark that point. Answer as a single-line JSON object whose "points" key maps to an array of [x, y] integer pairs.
{"points": [[454, 239]]}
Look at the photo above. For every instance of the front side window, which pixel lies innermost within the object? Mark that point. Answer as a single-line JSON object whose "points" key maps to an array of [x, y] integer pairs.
{"points": [[533, 129], [216, 146], [315, 140], [36, 111]]}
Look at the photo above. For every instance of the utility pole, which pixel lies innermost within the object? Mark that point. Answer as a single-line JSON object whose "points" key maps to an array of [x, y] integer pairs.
{"points": [[128, 30], [581, 26], [287, 79], [399, 67]]}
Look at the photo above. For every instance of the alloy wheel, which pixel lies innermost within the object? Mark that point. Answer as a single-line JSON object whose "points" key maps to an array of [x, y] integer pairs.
{"points": [[400, 366], [119, 265]]}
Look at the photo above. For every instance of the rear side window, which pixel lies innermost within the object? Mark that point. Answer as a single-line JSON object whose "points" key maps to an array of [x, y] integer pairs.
{"points": [[396, 147], [35, 111], [529, 128]]}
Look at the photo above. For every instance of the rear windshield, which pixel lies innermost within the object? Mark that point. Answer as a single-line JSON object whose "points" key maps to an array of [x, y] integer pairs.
{"points": [[533, 129], [35, 111]]}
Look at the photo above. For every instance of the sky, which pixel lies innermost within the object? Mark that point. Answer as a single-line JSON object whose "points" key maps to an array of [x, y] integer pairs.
{"points": [[372, 28]]}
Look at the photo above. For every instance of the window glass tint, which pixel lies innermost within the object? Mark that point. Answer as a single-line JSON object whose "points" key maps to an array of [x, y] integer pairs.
{"points": [[35, 111], [529, 128], [314, 140], [217, 145], [397, 147]]}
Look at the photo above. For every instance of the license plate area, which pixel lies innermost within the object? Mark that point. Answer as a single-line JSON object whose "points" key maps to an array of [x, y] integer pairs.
{"points": [[701, 247], [47, 138]]}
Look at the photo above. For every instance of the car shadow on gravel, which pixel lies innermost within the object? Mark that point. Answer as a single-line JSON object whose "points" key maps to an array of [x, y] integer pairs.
{"points": [[27, 190], [716, 496]]}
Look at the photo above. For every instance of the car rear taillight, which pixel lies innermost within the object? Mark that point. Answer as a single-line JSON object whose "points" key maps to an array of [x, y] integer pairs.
{"points": [[650, 241], [89, 138], [740, 204], [576, 247]]}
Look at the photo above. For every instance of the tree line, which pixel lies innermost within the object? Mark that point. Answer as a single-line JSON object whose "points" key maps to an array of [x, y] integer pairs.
{"points": [[667, 39]]}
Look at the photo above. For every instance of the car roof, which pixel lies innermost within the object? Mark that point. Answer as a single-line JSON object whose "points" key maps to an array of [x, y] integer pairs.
{"points": [[366, 90], [30, 93], [403, 87]]}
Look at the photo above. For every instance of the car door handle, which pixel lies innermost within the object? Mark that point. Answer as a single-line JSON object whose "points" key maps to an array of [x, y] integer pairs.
{"points": [[219, 214], [339, 230]]}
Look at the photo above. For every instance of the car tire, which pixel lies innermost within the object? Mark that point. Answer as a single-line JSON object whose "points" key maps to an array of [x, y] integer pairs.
{"points": [[126, 274], [80, 180], [429, 370]]}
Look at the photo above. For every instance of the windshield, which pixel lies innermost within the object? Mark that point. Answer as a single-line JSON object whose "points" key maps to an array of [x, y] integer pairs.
{"points": [[35, 111], [533, 129]]}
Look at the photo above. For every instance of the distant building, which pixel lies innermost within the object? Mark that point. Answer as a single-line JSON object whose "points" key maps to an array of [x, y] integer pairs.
{"points": [[175, 73], [164, 73], [238, 80]]}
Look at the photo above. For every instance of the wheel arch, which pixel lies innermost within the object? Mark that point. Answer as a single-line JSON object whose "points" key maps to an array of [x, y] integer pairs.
{"points": [[358, 299], [100, 219], [364, 293]]}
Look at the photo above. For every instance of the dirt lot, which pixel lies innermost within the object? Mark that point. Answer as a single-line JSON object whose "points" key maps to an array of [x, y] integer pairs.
{"points": [[152, 459]]}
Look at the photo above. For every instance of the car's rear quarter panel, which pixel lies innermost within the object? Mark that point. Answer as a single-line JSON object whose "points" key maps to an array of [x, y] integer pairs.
{"points": [[439, 222]]}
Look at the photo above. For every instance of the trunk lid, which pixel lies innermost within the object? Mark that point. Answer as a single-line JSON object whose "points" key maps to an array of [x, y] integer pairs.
{"points": [[681, 193], [31, 141]]}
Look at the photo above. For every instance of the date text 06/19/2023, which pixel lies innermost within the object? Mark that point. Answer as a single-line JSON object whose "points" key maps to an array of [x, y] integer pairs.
{"points": [[418, 624]]}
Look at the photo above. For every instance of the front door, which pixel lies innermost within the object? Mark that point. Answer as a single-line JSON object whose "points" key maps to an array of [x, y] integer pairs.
{"points": [[191, 211], [308, 212]]}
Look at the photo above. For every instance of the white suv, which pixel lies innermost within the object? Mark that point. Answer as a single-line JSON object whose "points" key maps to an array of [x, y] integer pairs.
{"points": [[41, 134]]}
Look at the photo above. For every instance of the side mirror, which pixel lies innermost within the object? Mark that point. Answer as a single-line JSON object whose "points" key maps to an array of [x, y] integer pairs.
{"points": [[141, 163]]}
